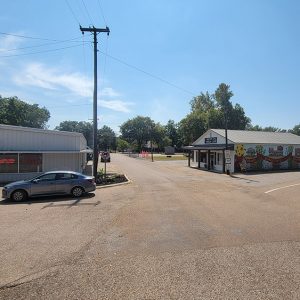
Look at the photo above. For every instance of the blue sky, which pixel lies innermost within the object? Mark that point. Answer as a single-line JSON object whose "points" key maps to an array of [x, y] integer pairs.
{"points": [[194, 45]]}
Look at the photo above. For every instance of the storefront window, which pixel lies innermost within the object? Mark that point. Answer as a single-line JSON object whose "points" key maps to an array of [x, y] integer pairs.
{"points": [[203, 157], [30, 162], [8, 163]]}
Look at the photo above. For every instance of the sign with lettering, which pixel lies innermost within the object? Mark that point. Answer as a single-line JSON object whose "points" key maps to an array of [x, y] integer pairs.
{"points": [[227, 154], [211, 140]]}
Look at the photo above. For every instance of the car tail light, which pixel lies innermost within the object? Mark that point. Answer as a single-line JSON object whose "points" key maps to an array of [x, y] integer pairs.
{"points": [[91, 180]]}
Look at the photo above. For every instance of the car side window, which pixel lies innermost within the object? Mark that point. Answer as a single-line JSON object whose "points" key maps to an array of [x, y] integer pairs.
{"points": [[65, 176], [46, 177]]}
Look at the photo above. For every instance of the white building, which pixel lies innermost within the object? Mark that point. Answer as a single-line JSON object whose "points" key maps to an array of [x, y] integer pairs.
{"points": [[247, 150], [27, 152]]}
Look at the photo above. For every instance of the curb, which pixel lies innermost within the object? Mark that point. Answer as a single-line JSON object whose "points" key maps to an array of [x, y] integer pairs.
{"points": [[115, 184]]}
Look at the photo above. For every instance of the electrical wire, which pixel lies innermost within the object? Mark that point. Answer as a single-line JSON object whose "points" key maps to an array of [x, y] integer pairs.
{"points": [[38, 52], [30, 37], [102, 14], [105, 57], [41, 45], [87, 12], [70, 8], [147, 73]]}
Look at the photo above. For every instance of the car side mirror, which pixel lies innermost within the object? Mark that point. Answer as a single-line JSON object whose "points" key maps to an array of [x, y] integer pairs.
{"points": [[35, 181]]}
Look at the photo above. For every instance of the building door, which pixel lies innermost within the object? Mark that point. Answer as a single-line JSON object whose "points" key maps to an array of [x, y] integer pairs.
{"points": [[212, 160]]}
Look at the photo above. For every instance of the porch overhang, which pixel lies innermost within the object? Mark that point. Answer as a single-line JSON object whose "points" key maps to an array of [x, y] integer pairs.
{"points": [[209, 147]]}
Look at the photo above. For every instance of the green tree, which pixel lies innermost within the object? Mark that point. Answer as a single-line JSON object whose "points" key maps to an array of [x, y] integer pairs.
{"points": [[107, 139], [171, 131], [122, 145], [14, 111], [296, 129], [209, 111], [234, 115], [268, 128], [222, 96], [85, 128], [255, 128], [138, 130], [202, 103], [160, 137], [191, 127]]}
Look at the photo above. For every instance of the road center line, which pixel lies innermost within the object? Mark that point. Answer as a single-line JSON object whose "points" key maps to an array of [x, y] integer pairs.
{"points": [[280, 188]]}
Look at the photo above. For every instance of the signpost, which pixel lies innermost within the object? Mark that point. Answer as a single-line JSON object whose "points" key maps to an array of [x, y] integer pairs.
{"points": [[227, 160]]}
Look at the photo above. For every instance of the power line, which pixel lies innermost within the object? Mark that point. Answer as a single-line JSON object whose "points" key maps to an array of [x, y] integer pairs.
{"points": [[87, 12], [101, 10], [70, 8], [147, 73], [41, 45], [38, 52], [30, 37], [105, 58]]}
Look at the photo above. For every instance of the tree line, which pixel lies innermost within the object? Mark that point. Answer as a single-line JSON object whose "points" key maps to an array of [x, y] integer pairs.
{"points": [[206, 111]]}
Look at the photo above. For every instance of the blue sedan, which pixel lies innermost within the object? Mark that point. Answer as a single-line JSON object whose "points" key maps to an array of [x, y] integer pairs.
{"points": [[50, 183]]}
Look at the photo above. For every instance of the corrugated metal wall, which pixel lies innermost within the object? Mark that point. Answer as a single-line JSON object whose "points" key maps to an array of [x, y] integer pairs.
{"points": [[62, 161], [5, 178], [33, 140]]}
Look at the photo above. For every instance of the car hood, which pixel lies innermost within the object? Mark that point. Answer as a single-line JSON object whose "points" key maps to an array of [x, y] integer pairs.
{"points": [[16, 183]]}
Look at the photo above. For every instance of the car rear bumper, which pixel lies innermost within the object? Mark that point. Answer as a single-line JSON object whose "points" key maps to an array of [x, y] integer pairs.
{"points": [[90, 188]]}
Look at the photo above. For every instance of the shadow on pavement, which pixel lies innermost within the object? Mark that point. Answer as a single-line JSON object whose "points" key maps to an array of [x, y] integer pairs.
{"points": [[242, 178], [51, 199]]}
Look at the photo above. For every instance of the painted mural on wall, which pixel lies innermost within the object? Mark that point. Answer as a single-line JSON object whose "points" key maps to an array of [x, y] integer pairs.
{"points": [[259, 157]]}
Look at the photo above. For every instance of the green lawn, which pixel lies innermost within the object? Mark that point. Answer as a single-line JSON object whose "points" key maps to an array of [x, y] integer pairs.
{"points": [[163, 157]]}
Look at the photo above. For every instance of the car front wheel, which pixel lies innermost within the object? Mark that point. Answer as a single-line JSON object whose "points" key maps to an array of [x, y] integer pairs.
{"points": [[77, 191], [18, 195]]}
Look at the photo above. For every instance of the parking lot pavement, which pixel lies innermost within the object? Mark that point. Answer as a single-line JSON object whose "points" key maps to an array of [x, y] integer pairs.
{"points": [[173, 233]]}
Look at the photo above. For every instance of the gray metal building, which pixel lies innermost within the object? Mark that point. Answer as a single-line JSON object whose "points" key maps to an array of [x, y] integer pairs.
{"points": [[27, 152], [246, 151]]}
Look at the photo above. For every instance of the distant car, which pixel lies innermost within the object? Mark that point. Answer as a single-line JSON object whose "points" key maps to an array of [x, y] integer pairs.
{"points": [[105, 156], [50, 183]]}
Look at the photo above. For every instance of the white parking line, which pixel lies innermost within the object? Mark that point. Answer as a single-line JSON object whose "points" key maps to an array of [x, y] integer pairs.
{"points": [[283, 187]]}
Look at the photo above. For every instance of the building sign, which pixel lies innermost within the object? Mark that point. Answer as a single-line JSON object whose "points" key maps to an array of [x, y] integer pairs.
{"points": [[7, 161], [227, 157], [211, 140]]}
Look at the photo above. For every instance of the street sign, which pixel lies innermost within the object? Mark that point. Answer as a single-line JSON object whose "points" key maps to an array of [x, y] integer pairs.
{"points": [[228, 161], [227, 154]]}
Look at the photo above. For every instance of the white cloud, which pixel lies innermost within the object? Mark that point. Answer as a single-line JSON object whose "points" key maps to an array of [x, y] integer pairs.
{"points": [[53, 79], [109, 92], [40, 76], [116, 105], [9, 42]]}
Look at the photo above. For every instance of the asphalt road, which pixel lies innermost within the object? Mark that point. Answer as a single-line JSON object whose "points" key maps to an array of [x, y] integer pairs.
{"points": [[173, 233]]}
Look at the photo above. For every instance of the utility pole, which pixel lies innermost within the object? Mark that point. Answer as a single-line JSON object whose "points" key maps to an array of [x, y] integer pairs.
{"points": [[95, 150], [226, 139]]}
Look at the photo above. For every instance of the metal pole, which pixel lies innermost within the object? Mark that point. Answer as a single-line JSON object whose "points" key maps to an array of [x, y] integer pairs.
{"points": [[95, 161], [152, 152], [95, 151], [226, 140]]}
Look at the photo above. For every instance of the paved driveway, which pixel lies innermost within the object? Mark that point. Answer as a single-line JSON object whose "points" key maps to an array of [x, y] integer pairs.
{"points": [[173, 233]]}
